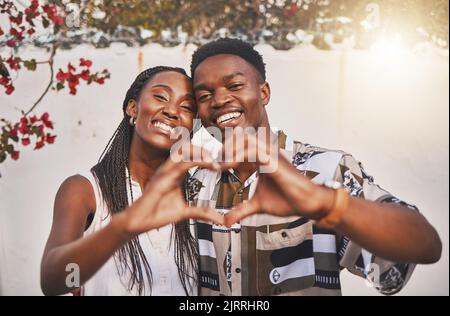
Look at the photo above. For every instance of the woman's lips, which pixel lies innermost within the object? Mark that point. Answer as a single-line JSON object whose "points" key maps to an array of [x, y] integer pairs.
{"points": [[162, 127]]}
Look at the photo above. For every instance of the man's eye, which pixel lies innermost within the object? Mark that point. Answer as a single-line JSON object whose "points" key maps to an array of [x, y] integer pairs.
{"points": [[235, 86], [160, 97]]}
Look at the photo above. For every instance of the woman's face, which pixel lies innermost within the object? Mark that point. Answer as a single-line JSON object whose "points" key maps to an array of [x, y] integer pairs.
{"points": [[165, 102]]}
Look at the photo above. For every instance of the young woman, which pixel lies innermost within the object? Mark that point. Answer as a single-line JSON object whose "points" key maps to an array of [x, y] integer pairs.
{"points": [[124, 225]]}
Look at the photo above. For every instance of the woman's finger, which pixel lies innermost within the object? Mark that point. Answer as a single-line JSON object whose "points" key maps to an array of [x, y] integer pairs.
{"points": [[241, 211], [204, 214]]}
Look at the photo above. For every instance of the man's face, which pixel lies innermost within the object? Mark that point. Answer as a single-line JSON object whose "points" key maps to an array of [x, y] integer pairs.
{"points": [[230, 92]]}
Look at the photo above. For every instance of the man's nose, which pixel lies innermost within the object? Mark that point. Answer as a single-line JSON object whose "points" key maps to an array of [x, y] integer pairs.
{"points": [[220, 99]]}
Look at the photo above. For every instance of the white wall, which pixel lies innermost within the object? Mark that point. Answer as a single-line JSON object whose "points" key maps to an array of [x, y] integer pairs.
{"points": [[391, 112]]}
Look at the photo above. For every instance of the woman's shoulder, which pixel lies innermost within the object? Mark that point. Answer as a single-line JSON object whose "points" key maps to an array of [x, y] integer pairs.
{"points": [[78, 190]]}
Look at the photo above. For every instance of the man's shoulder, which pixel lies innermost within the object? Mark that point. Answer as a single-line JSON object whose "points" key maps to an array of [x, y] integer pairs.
{"points": [[303, 153]]}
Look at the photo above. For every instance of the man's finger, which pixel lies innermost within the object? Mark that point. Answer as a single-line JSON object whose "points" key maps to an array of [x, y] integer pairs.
{"points": [[205, 214], [241, 211]]}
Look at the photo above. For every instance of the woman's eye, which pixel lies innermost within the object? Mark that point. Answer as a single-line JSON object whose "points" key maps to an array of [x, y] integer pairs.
{"points": [[203, 97], [187, 107], [160, 97]]}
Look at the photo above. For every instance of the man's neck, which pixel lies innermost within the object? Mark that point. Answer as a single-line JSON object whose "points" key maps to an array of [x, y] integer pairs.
{"points": [[246, 169]]}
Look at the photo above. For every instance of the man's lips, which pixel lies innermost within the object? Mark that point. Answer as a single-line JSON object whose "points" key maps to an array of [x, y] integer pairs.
{"points": [[227, 118]]}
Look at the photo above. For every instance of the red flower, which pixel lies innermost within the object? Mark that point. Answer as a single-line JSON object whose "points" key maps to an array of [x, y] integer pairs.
{"points": [[33, 119], [39, 145], [291, 10], [48, 124], [11, 43], [9, 89], [25, 141], [41, 130], [58, 20], [70, 67], [23, 129], [24, 120], [100, 80], [13, 132], [31, 31], [73, 90], [85, 75], [50, 139], [85, 62], [17, 19], [61, 76], [34, 4], [13, 64], [16, 34], [15, 155], [44, 117], [4, 81]]}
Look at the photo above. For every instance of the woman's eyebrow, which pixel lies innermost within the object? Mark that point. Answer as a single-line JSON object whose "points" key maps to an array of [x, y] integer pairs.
{"points": [[162, 86]]}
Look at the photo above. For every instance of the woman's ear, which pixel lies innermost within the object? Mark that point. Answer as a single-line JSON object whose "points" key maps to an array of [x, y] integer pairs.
{"points": [[265, 93], [132, 108]]}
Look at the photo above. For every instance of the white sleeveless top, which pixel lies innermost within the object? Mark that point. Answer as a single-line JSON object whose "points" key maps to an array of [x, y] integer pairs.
{"points": [[157, 245]]}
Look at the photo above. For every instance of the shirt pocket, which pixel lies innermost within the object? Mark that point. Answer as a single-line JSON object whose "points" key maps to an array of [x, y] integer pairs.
{"points": [[285, 260]]}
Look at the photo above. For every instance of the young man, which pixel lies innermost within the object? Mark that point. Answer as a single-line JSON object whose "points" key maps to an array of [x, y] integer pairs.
{"points": [[297, 229]]}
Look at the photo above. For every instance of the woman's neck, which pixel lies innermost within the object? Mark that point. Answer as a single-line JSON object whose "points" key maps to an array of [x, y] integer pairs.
{"points": [[144, 160]]}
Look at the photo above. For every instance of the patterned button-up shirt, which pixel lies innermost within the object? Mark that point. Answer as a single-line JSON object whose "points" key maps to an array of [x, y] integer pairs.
{"points": [[271, 255]]}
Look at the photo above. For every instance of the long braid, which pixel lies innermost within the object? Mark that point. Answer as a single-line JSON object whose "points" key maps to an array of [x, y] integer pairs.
{"points": [[113, 176]]}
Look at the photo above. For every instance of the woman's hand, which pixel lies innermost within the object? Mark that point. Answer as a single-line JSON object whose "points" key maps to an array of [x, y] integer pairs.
{"points": [[162, 201]]}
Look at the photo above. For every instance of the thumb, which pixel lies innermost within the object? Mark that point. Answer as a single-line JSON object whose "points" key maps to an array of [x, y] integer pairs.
{"points": [[241, 211], [204, 214]]}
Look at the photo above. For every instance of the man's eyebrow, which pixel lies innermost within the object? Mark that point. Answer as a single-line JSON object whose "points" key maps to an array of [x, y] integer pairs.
{"points": [[201, 86], [229, 77], [204, 86]]}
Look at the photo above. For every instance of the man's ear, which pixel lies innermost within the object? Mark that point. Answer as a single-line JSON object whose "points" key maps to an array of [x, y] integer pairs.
{"points": [[132, 108], [265, 93]]}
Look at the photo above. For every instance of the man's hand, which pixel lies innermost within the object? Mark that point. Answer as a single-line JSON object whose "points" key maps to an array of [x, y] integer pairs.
{"points": [[284, 192]]}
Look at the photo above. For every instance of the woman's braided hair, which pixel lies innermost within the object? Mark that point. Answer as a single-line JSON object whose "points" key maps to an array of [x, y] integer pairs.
{"points": [[112, 172]]}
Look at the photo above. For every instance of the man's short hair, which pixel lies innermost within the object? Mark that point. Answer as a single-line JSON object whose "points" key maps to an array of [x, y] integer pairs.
{"points": [[230, 46]]}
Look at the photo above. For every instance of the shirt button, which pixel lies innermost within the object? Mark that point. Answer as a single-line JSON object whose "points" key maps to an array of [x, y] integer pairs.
{"points": [[284, 234], [238, 270]]}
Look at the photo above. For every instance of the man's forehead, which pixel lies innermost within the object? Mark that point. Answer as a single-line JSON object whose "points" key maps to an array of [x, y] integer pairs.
{"points": [[223, 65]]}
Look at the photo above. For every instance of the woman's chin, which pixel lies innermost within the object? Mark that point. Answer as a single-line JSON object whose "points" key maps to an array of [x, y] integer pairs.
{"points": [[161, 142]]}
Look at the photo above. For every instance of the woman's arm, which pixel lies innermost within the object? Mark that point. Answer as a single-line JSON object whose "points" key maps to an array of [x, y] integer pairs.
{"points": [[162, 203], [74, 201]]}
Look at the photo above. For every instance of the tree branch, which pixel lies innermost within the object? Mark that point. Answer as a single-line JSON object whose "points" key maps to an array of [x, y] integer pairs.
{"points": [[50, 63]]}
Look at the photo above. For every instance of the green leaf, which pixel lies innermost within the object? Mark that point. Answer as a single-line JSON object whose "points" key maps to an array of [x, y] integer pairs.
{"points": [[14, 138], [9, 148], [59, 86], [2, 156], [45, 22], [30, 64], [35, 130]]}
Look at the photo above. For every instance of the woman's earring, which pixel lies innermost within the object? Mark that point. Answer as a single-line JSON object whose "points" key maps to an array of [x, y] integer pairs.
{"points": [[132, 121]]}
